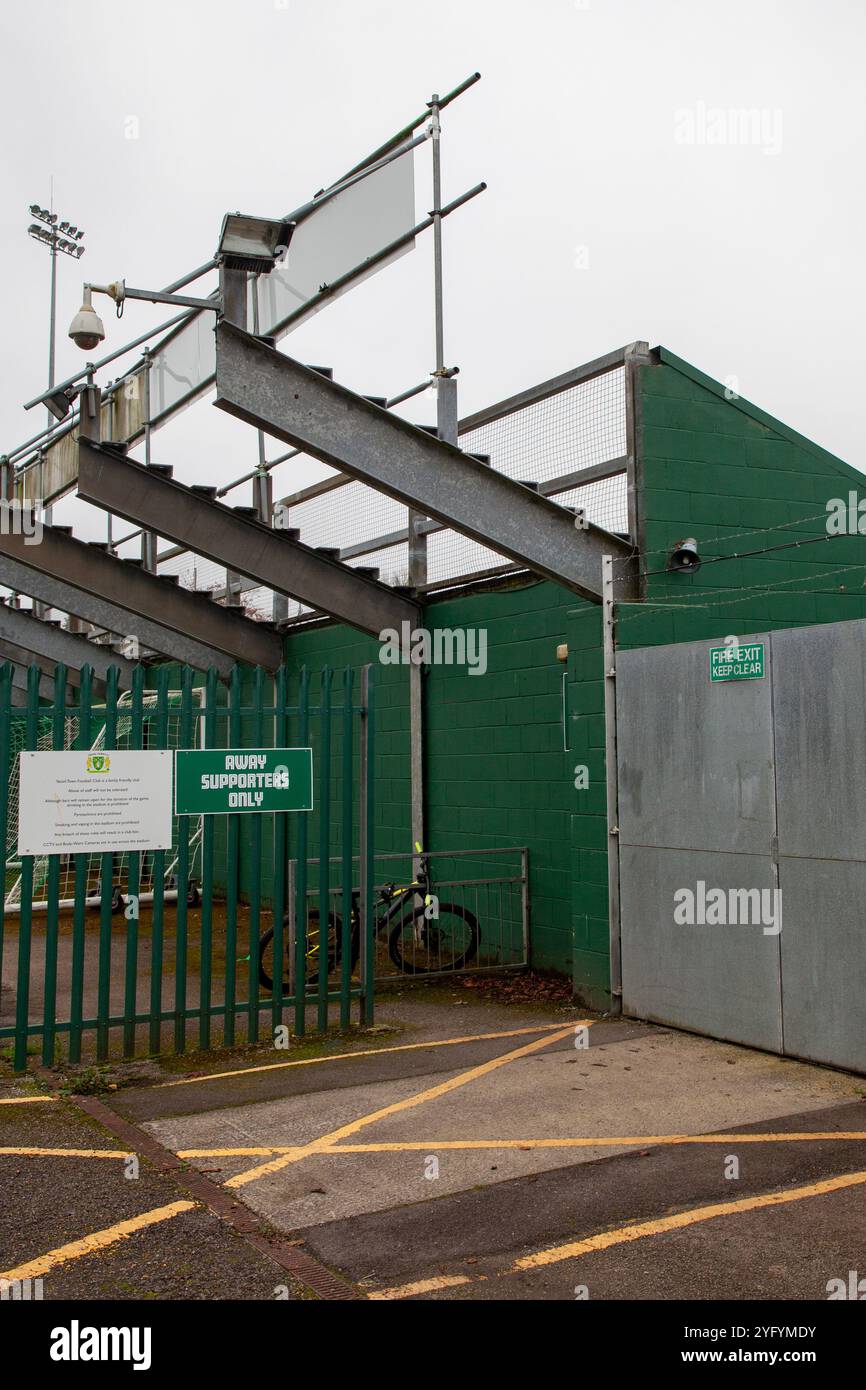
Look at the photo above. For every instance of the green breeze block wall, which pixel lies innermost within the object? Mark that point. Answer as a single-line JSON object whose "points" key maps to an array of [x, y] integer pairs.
{"points": [[730, 475], [496, 771]]}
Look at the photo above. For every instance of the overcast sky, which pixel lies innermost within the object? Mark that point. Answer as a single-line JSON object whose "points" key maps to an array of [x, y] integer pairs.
{"points": [[624, 201]]}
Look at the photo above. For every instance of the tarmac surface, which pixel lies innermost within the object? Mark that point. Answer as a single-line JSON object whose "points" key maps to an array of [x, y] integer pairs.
{"points": [[471, 1150]]}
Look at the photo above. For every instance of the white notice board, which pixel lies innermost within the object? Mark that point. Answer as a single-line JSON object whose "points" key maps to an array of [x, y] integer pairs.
{"points": [[94, 803]]}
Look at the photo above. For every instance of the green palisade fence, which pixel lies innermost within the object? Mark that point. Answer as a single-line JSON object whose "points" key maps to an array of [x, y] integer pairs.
{"points": [[106, 955]]}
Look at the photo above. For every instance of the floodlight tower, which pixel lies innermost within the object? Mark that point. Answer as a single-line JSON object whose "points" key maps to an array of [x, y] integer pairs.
{"points": [[61, 236]]}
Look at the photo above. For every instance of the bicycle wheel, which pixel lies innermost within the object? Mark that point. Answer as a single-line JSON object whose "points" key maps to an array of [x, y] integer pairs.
{"points": [[419, 946], [334, 949]]}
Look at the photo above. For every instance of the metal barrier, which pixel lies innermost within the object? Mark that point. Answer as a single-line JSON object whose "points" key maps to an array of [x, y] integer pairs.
{"points": [[469, 915], [145, 947]]}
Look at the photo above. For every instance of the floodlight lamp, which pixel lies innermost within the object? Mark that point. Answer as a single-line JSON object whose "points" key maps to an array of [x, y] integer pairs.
{"points": [[254, 244], [59, 402]]}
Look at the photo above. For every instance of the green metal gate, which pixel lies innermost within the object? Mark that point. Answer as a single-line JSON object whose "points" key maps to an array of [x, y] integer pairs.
{"points": [[118, 954]]}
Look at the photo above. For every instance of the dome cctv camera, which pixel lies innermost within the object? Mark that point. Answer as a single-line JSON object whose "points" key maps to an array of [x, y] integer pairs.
{"points": [[86, 329]]}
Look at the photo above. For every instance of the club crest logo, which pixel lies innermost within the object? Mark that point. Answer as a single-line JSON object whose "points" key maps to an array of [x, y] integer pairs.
{"points": [[98, 762]]}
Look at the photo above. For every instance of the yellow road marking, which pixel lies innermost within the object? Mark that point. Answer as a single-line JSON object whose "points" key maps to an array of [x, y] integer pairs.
{"points": [[26, 1100], [98, 1240], [592, 1142], [444, 1281], [347, 1056], [684, 1218], [637, 1231], [262, 1151], [66, 1153], [432, 1093]]}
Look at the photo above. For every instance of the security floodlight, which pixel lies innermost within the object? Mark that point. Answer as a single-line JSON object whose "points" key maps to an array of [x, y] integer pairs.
{"points": [[684, 557], [86, 329], [60, 402], [253, 243]]}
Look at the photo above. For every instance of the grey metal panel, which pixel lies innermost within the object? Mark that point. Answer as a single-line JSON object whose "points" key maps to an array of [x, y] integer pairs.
{"points": [[819, 689], [241, 543], [824, 960], [296, 404], [695, 758], [90, 569], [110, 616], [719, 980]]}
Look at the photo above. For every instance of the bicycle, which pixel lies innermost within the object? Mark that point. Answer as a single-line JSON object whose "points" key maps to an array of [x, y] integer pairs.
{"points": [[427, 937]]}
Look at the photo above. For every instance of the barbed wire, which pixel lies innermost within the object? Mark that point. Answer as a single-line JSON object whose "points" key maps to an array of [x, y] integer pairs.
{"points": [[748, 592], [729, 535]]}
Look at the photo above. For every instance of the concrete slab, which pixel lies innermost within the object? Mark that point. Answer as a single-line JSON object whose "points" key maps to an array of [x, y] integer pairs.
{"points": [[650, 1082], [483, 1230]]}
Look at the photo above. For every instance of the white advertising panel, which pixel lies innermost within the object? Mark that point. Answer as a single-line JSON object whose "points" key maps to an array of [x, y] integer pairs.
{"points": [[94, 802]]}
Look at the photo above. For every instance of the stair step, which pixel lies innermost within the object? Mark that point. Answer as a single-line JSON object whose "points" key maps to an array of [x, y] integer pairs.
{"points": [[323, 371], [204, 490], [367, 571], [377, 400], [162, 470], [331, 551]]}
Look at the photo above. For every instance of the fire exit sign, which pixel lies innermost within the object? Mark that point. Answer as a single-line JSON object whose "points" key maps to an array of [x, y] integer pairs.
{"points": [[223, 781], [737, 663]]}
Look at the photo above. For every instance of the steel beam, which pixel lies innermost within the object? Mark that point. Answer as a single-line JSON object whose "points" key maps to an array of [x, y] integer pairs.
{"points": [[289, 401], [79, 603], [19, 682], [238, 541], [21, 661], [46, 646], [203, 629]]}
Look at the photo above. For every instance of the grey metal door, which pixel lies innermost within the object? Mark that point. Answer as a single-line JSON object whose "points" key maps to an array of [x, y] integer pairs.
{"points": [[744, 785]]}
